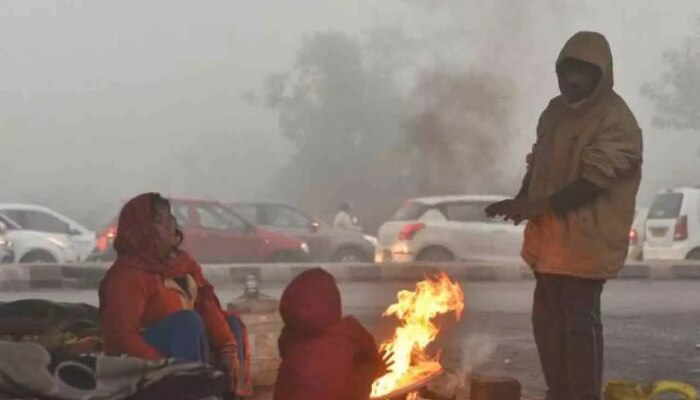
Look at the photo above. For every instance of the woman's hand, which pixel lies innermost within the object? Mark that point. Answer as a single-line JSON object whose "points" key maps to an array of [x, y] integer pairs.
{"points": [[228, 357]]}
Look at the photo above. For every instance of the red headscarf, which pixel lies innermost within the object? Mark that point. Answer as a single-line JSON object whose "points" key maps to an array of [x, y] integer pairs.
{"points": [[137, 247], [137, 241]]}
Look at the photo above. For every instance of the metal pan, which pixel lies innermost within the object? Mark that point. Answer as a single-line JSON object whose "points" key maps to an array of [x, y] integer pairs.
{"points": [[415, 386]]}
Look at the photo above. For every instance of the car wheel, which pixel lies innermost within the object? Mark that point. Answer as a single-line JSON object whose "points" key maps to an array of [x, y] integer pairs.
{"points": [[38, 256], [350, 255], [435, 254], [693, 255]]}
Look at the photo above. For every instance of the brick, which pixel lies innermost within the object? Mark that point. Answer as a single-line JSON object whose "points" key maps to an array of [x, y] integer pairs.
{"points": [[485, 387]]}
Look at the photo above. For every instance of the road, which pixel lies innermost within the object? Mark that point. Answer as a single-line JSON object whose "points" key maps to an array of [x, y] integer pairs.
{"points": [[619, 297], [651, 328]]}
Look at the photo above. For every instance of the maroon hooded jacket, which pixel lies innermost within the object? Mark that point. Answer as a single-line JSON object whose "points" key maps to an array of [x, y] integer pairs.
{"points": [[324, 356]]}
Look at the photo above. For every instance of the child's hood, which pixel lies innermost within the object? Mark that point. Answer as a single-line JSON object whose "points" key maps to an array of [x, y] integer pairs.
{"points": [[311, 303]]}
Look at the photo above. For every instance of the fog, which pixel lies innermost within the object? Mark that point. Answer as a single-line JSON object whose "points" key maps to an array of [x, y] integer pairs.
{"points": [[101, 100]]}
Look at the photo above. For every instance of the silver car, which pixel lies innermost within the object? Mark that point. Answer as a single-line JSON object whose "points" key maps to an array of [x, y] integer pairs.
{"points": [[326, 243]]}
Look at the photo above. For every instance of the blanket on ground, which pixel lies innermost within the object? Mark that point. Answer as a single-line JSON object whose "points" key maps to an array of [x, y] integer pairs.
{"points": [[28, 371]]}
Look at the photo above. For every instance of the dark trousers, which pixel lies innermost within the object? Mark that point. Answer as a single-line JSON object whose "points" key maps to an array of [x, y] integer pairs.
{"points": [[569, 335]]}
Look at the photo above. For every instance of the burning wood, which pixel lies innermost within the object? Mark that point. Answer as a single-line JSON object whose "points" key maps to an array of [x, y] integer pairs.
{"points": [[416, 311]]}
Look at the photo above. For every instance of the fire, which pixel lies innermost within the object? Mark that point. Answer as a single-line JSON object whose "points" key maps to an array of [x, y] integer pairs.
{"points": [[416, 330]]}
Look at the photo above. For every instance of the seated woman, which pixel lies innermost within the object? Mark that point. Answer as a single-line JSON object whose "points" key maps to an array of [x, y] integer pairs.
{"points": [[155, 302]]}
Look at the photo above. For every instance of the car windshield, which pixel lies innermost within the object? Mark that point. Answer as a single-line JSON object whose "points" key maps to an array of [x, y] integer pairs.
{"points": [[666, 206]]}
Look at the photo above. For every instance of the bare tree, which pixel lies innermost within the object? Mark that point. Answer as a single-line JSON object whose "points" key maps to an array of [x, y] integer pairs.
{"points": [[458, 125], [363, 137], [340, 107], [676, 94]]}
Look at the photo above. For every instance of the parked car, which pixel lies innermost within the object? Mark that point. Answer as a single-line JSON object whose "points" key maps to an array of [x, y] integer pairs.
{"points": [[673, 225], [448, 228], [7, 253], [638, 235], [41, 219], [326, 243], [31, 246], [215, 234]]}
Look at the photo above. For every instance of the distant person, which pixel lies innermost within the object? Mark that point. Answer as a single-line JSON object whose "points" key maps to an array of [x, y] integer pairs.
{"points": [[325, 356], [578, 196], [155, 302], [345, 219]]}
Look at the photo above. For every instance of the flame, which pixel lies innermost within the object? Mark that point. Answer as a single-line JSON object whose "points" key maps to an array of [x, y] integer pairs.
{"points": [[416, 330]]}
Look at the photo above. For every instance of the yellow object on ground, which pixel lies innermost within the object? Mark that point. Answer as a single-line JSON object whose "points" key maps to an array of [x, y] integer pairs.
{"points": [[622, 390]]}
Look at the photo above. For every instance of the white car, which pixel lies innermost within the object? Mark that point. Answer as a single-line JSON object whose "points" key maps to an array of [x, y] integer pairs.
{"points": [[638, 235], [63, 229], [448, 228], [673, 225], [37, 247]]}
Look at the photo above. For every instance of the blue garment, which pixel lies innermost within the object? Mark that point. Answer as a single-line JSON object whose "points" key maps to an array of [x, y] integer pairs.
{"points": [[183, 335], [180, 335]]}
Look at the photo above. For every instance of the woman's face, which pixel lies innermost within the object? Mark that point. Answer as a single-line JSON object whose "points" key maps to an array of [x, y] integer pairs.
{"points": [[164, 224]]}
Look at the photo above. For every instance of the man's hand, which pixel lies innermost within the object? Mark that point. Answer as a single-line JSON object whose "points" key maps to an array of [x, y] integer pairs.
{"points": [[228, 356], [510, 209], [517, 209]]}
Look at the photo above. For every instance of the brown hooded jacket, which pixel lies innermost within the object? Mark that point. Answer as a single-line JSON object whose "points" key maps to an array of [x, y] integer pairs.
{"points": [[598, 140]]}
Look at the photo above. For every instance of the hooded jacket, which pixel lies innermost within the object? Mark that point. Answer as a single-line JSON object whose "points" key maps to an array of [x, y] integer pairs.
{"points": [[597, 140], [324, 356], [140, 289]]}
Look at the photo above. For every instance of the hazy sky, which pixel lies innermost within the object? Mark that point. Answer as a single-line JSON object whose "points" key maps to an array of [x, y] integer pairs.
{"points": [[102, 99]]}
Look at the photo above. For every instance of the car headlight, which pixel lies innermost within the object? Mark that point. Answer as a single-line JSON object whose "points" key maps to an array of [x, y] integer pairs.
{"points": [[372, 240], [59, 243], [304, 247], [5, 243]]}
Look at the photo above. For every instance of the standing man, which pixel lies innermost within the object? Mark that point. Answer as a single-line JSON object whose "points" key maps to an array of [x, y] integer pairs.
{"points": [[578, 197], [345, 219]]}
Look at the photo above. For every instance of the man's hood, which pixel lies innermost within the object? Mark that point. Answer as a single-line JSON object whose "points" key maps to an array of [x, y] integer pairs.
{"points": [[593, 48], [311, 303]]}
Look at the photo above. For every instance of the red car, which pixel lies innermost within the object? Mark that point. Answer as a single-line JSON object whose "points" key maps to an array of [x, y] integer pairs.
{"points": [[216, 234]]}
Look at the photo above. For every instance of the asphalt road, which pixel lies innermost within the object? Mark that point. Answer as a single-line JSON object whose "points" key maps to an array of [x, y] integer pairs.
{"points": [[651, 328]]}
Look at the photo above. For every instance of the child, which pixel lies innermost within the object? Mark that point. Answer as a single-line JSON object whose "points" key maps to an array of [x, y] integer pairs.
{"points": [[325, 356]]}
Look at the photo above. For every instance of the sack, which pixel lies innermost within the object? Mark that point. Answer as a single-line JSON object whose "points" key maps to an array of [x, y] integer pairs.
{"points": [[51, 324]]}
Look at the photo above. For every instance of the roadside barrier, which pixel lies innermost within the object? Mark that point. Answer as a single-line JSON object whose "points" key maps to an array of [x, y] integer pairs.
{"points": [[88, 275]]}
